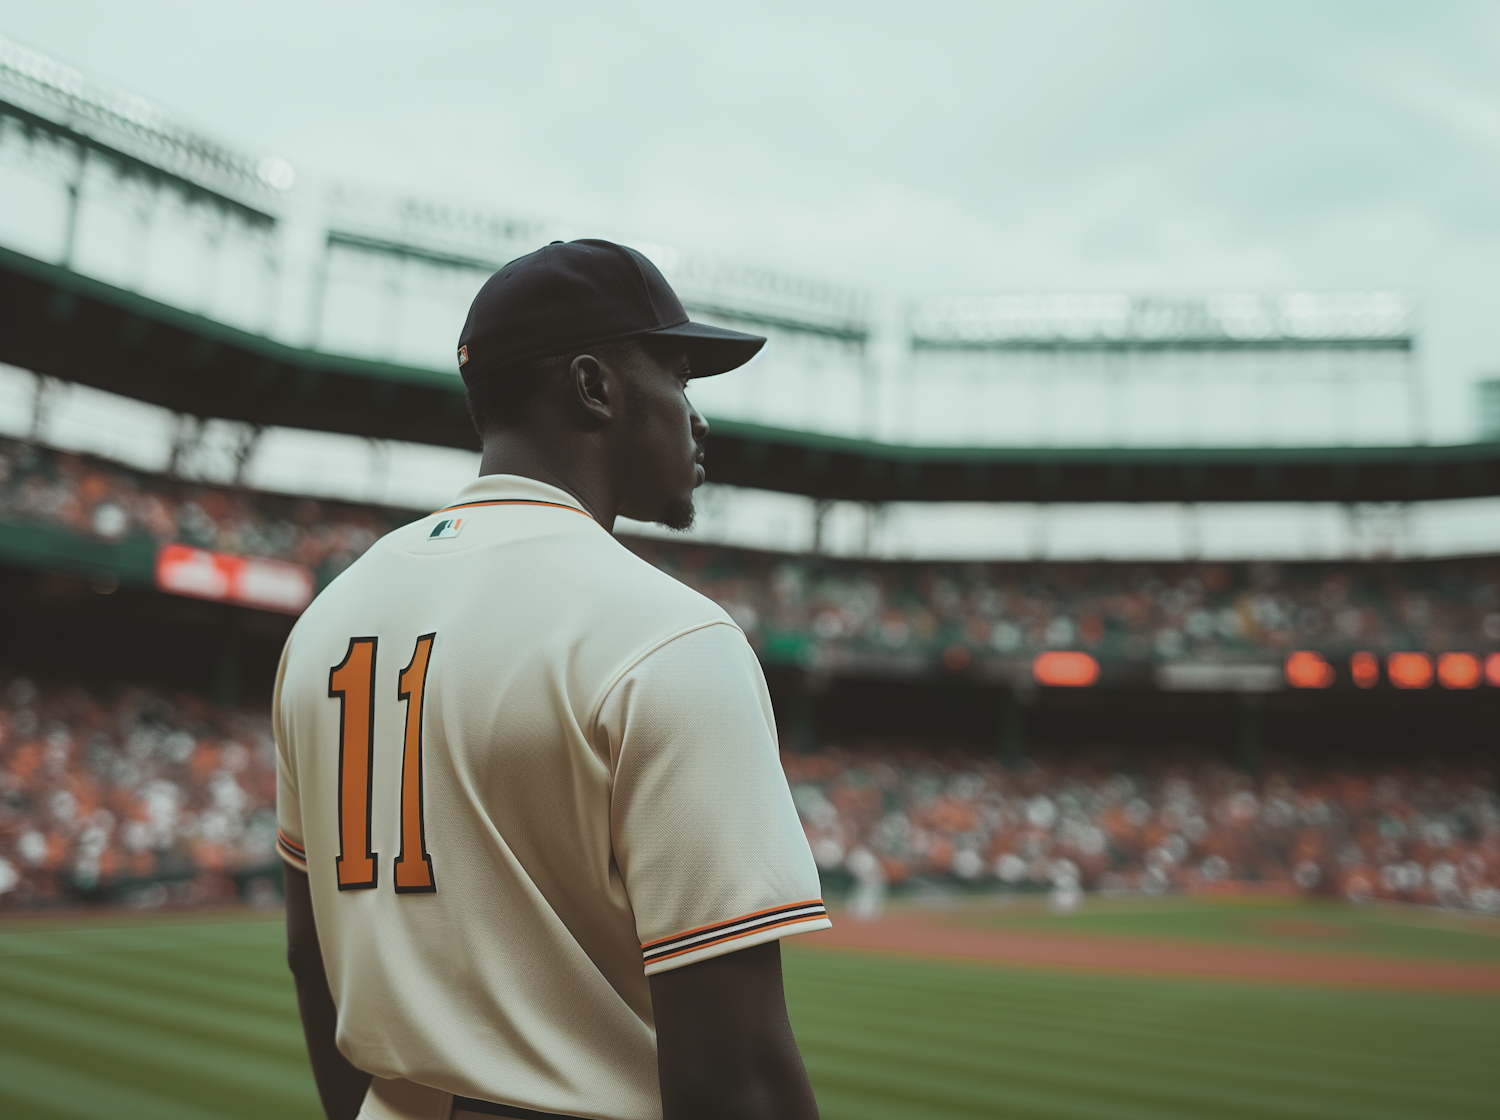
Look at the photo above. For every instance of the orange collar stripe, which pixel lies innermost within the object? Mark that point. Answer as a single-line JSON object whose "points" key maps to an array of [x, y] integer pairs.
{"points": [[512, 502]]}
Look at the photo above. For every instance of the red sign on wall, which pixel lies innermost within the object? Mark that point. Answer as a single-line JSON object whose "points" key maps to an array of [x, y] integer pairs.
{"points": [[248, 581]]}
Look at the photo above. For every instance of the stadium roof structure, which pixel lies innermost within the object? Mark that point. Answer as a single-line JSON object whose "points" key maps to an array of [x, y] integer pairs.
{"points": [[43, 98], [62, 324], [1115, 321]]}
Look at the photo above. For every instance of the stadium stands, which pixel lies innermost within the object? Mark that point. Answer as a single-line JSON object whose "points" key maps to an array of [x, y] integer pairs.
{"points": [[1154, 822], [151, 793], [108, 505], [146, 798], [134, 796], [1134, 612], [889, 618]]}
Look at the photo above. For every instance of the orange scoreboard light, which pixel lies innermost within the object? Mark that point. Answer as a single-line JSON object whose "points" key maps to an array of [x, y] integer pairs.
{"points": [[1409, 670], [1459, 670], [1306, 669], [1065, 669], [1492, 669], [1364, 667]]}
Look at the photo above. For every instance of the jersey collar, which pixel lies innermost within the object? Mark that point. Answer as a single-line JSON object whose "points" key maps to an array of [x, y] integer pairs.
{"points": [[512, 488]]}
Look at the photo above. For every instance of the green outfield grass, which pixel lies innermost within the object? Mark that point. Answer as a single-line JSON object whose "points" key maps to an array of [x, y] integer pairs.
{"points": [[1269, 922], [190, 1020]]}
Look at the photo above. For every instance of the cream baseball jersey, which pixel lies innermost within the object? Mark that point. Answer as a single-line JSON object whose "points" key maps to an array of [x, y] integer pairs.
{"points": [[524, 770]]}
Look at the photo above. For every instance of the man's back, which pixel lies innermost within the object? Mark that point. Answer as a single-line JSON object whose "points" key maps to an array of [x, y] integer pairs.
{"points": [[505, 749]]}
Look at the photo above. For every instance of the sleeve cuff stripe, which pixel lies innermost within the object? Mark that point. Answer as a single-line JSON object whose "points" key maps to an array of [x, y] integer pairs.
{"points": [[808, 921], [291, 849], [770, 910], [735, 927]]}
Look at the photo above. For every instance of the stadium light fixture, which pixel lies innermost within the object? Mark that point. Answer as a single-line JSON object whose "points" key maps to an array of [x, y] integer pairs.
{"points": [[1409, 670], [276, 173], [1459, 670], [1116, 317], [1307, 669], [1065, 669], [49, 96]]}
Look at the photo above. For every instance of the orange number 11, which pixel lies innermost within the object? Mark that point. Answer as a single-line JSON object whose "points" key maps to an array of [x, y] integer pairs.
{"points": [[352, 684]]}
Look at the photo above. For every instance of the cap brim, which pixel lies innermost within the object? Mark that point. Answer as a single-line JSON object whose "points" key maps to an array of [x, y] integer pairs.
{"points": [[712, 350]]}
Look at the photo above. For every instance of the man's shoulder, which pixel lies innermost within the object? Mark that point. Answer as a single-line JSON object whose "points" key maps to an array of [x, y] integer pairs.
{"points": [[630, 576], [586, 590]]}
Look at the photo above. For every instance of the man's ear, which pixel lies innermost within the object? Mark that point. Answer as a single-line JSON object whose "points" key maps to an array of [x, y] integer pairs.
{"points": [[594, 389]]}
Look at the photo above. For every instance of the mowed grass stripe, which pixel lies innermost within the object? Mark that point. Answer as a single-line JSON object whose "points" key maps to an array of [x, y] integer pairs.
{"points": [[1041, 1028], [917, 1031], [38, 1090], [848, 1089], [166, 977], [1200, 1045], [257, 934], [192, 1021], [149, 1058], [213, 1018], [1113, 1008], [1182, 1089], [229, 968], [1193, 1049], [1064, 1074], [1029, 984], [1403, 934], [1198, 1012], [249, 963], [860, 1087]]}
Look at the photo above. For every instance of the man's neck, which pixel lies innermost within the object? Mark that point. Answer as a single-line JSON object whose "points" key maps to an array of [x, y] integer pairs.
{"points": [[510, 452]]}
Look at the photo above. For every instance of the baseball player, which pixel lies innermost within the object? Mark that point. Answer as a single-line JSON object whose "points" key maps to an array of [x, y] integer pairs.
{"points": [[540, 851]]}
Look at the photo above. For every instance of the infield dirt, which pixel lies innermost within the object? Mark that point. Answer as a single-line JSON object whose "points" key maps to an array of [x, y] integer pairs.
{"points": [[977, 934]]}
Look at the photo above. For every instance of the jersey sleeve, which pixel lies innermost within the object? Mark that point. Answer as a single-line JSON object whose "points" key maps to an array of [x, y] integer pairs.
{"points": [[289, 836], [705, 834]]}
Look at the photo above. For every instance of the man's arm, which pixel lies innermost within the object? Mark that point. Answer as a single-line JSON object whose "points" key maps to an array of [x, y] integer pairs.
{"points": [[341, 1087], [724, 1044]]}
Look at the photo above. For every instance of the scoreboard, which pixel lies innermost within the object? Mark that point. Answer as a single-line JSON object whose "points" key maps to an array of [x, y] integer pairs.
{"points": [[1455, 670]]}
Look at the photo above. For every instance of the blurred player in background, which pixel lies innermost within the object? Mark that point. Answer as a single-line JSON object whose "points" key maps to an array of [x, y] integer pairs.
{"points": [[540, 846]]}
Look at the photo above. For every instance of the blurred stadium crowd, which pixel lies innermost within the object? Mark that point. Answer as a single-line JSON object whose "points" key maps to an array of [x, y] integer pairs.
{"points": [[141, 797], [1116, 611], [827, 613], [147, 799], [134, 797], [1096, 820], [111, 504]]}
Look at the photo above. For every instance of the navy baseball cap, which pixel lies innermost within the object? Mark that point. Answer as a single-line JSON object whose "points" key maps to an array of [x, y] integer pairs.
{"points": [[568, 296]]}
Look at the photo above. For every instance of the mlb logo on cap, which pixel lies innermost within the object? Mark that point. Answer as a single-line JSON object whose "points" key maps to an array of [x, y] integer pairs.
{"points": [[445, 529], [463, 356]]}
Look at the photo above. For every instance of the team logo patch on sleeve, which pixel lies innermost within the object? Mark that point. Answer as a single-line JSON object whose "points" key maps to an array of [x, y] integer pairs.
{"points": [[446, 528]]}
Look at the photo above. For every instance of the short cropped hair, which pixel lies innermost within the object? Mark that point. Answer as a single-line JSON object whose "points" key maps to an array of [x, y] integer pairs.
{"points": [[504, 398]]}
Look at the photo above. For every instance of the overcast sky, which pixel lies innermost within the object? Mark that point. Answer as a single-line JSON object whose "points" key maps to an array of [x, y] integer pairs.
{"points": [[914, 149]]}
